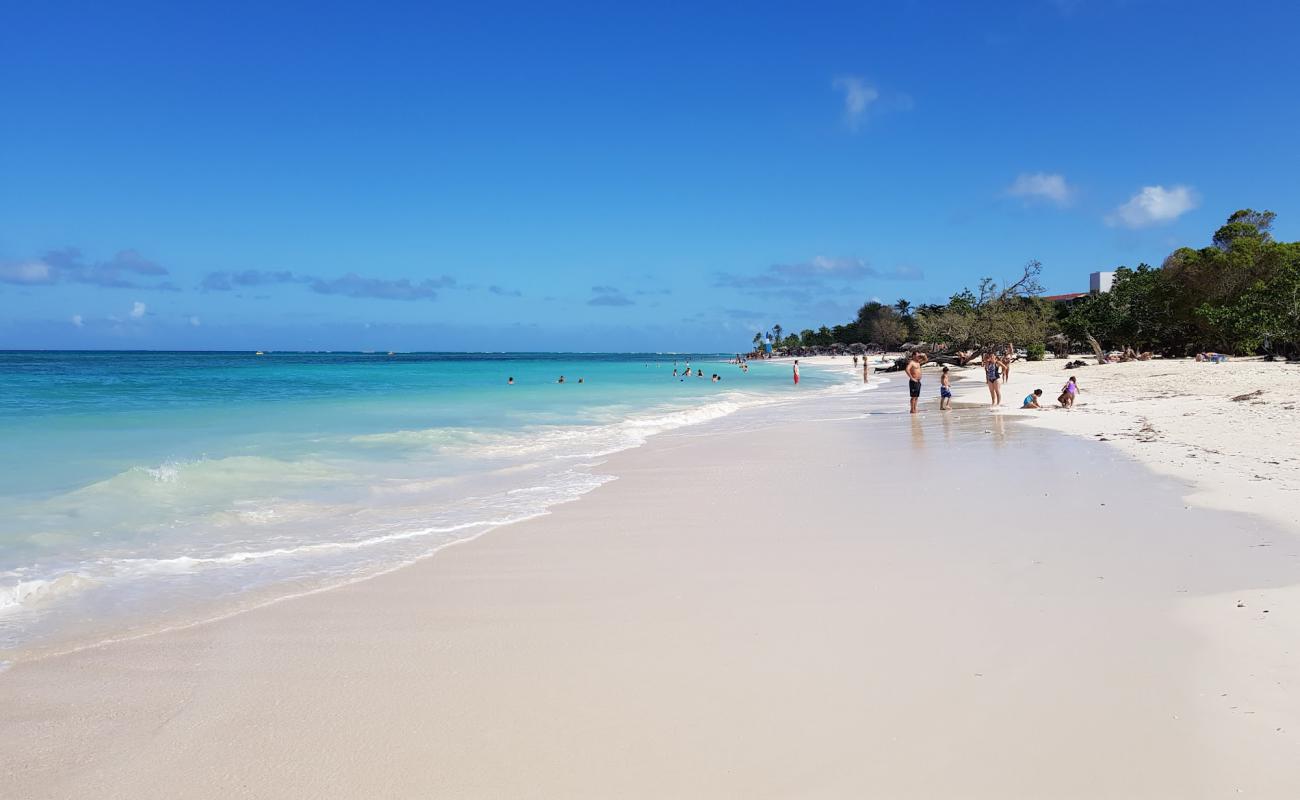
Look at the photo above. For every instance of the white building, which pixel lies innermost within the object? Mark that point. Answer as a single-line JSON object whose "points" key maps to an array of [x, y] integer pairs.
{"points": [[1099, 282]]}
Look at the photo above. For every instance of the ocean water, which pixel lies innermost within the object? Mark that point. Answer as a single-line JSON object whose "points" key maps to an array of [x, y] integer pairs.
{"points": [[141, 484]]}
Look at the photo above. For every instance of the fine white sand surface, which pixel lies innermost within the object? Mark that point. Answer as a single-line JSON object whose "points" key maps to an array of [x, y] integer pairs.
{"points": [[1232, 429], [820, 599]]}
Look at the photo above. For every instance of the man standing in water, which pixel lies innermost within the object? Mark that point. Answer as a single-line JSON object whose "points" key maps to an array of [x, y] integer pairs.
{"points": [[796, 372], [914, 378]]}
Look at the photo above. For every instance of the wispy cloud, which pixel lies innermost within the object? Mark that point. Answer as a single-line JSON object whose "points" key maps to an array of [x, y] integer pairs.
{"points": [[504, 292], [608, 296], [1051, 187], [138, 310], [858, 97], [68, 265], [227, 281], [354, 285], [78, 321], [814, 274], [862, 100], [350, 285], [1154, 205]]}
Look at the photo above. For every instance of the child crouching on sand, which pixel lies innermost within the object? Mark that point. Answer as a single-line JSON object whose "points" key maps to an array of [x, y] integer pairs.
{"points": [[1031, 400], [1068, 393]]}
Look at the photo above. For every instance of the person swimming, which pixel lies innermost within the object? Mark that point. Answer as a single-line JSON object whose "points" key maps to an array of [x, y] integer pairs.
{"points": [[511, 380], [561, 380]]}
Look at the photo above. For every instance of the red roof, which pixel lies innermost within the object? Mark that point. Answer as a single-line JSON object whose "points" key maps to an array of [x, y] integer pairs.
{"points": [[1061, 298]]}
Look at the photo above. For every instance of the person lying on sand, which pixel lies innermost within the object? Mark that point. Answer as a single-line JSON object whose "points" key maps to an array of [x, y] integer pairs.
{"points": [[1031, 400]]}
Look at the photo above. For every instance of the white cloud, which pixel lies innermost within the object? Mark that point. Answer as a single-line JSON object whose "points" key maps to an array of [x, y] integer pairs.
{"points": [[858, 97], [1042, 185], [26, 272], [78, 321], [1154, 205], [138, 309], [194, 322]]}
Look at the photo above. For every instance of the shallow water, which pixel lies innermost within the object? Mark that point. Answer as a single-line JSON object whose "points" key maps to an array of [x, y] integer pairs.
{"points": [[139, 482]]}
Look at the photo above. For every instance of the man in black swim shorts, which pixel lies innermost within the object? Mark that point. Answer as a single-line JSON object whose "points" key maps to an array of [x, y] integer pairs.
{"points": [[914, 378]]}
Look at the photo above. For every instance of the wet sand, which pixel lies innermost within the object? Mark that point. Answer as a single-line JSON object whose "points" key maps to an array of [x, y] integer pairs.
{"points": [[802, 601]]}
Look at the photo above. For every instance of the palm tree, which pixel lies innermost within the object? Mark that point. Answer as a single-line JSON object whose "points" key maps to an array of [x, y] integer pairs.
{"points": [[903, 307], [776, 331], [758, 341]]}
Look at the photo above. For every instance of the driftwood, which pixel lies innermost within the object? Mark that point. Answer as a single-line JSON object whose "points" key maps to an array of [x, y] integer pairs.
{"points": [[1096, 349]]}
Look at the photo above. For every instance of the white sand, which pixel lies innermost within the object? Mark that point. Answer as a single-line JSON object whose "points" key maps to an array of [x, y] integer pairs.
{"points": [[1178, 418], [801, 602]]}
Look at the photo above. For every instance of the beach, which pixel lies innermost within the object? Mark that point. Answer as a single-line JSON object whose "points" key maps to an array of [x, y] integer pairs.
{"points": [[1228, 428], [827, 598]]}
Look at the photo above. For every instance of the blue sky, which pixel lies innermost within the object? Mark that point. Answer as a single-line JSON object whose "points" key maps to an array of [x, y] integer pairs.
{"points": [[566, 176]]}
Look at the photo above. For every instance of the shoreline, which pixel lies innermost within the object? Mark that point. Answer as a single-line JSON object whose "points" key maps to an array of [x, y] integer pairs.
{"points": [[642, 425], [781, 641]]}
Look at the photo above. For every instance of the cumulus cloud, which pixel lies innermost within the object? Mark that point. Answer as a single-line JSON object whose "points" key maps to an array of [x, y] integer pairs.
{"points": [[138, 310], [1154, 205], [608, 296], [68, 265], [1050, 187], [77, 321]]}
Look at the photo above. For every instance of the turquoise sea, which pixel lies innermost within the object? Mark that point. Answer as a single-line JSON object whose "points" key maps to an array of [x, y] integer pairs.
{"points": [[135, 482]]}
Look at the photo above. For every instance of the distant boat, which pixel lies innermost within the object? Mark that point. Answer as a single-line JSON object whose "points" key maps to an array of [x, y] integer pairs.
{"points": [[391, 353], [259, 353]]}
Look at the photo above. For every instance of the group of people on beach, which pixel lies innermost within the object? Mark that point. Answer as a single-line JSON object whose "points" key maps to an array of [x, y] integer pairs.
{"points": [[997, 371]]}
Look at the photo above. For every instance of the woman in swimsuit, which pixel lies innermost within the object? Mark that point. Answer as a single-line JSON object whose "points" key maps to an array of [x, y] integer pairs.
{"points": [[992, 372]]}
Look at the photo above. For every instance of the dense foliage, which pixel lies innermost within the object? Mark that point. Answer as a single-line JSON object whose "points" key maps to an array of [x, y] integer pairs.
{"points": [[1239, 295]]}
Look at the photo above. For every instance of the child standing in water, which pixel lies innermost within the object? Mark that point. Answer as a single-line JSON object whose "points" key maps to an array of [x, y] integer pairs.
{"points": [[796, 372], [945, 391]]}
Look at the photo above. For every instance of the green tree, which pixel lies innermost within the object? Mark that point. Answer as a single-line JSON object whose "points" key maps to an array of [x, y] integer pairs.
{"points": [[998, 315], [889, 329]]}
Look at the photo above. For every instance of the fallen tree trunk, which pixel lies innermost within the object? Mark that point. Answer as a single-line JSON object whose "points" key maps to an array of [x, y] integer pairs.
{"points": [[1096, 349]]}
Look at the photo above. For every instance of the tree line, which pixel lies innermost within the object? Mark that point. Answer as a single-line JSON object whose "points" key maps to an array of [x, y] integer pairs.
{"points": [[1240, 294]]}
